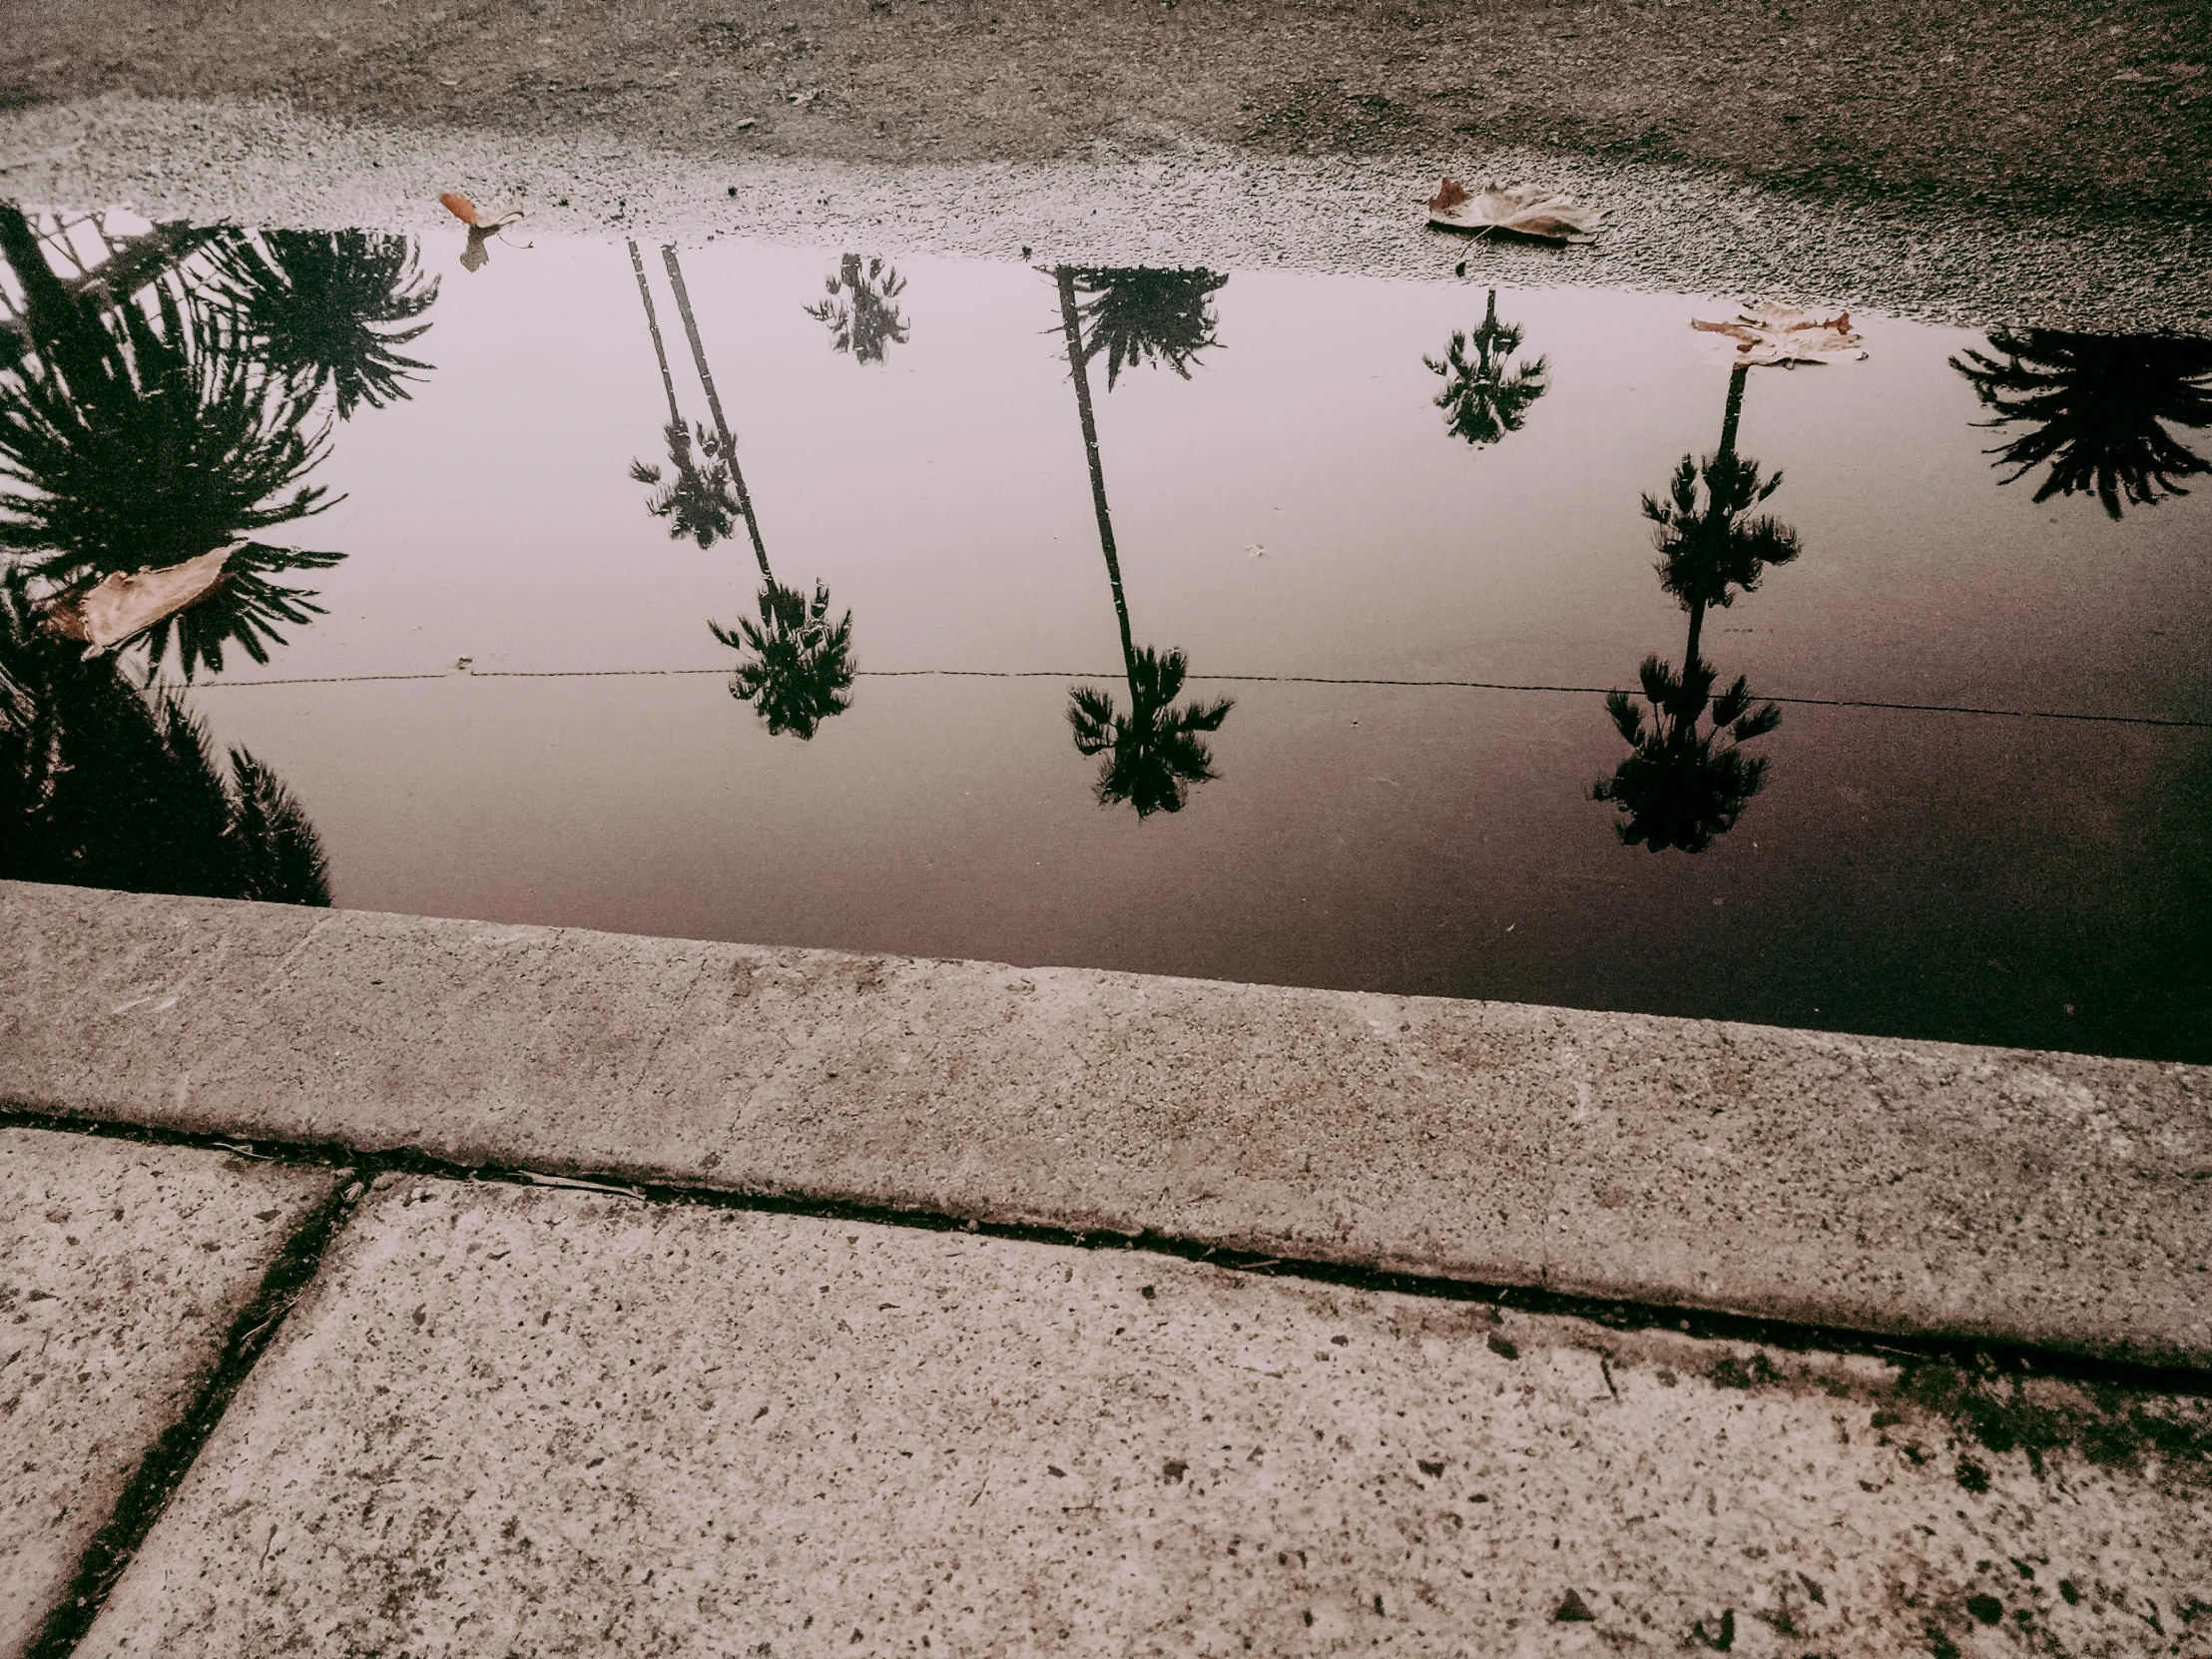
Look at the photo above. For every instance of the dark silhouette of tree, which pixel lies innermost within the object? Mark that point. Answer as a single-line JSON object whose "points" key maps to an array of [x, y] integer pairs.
{"points": [[1154, 753], [145, 433], [1684, 782], [1138, 315], [796, 665], [800, 671], [699, 501], [172, 401], [1481, 400], [1711, 548], [103, 784], [859, 311], [2098, 409], [332, 307]]}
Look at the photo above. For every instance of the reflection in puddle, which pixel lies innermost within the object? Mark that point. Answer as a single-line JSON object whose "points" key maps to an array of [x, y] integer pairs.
{"points": [[1397, 653], [2099, 409], [1154, 753], [1684, 785]]}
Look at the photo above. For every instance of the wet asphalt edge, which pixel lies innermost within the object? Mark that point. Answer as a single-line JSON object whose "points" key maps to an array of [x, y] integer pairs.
{"points": [[1168, 199]]}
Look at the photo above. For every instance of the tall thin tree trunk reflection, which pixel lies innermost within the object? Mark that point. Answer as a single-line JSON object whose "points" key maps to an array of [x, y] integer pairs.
{"points": [[697, 501], [794, 664], [1155, 754]]}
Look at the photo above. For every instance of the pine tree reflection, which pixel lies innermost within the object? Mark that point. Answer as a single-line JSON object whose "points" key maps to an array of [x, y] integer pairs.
{"points": [[858, 309], [1481, 400], [1686, 780], [2097, 408], [1154, 753]]}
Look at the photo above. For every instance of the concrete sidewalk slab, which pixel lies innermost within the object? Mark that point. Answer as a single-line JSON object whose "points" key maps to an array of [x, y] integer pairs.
{"points": [[2051, 1199], [508, 1421], [121, 1268], [1890, 1186]]}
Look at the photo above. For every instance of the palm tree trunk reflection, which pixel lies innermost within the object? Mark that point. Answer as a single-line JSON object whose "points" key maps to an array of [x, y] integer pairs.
{"points": [[729, 450], [697, 501], [1153, 755], [796, 664]]}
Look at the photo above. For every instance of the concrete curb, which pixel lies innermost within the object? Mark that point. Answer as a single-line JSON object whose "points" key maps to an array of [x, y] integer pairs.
{"points": [[2049, 1198]]}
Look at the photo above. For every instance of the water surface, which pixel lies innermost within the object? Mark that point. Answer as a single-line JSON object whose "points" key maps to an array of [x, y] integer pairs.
{"points": [[1980, 813]]}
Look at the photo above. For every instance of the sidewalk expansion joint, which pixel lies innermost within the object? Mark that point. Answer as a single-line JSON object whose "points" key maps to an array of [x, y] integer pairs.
{"points": [[1905, 1350], [165, 1465]]}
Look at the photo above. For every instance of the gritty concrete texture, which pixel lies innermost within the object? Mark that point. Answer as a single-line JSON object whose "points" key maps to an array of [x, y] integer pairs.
{"points": [[1886, 1185], [512, 1421], [1158, 197], [121, 1268]]}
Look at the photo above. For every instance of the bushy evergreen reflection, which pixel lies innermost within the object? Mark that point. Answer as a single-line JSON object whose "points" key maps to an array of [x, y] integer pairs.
{"points": [[105, 784], [1482, 399]]}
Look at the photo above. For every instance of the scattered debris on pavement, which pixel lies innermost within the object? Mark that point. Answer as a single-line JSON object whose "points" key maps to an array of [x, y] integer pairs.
{"points": [[482, 227]]}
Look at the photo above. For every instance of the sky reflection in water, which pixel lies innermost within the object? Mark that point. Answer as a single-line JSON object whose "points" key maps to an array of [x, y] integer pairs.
{"points": [[1069, 615]]}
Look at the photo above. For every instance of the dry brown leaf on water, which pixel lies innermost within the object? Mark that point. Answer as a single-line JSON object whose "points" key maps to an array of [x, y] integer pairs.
{"points": [[1517, 209], [125, 604], [468, 212], [482, 227], [1785, 334]]}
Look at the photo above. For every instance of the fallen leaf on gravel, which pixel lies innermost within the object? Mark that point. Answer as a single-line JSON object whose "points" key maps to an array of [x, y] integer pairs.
{"points": [[126, 604], [1518, 210], [1785, 334]]}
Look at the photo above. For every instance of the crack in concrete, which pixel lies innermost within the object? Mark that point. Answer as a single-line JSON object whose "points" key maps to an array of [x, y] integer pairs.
{"points": [[172, 1455], [1699, 1324]]}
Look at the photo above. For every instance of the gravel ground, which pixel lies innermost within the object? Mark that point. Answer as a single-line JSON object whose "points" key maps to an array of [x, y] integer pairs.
{"points": [[2102, 107], [1167, 197]]}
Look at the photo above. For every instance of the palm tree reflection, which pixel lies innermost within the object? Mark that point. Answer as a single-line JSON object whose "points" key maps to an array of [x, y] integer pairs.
{"points": [[329, 308], [1682, 782], [174, 399], [2097, 408], [1154, 753], [104, 784], [858, 309], [699, 501], [1686, 778], [146, 432], [1138, 315], [1481, 400], [795, 664]]}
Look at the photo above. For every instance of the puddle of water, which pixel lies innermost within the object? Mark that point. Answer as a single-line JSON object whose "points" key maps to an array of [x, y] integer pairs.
{"points": [[1335, 657]]}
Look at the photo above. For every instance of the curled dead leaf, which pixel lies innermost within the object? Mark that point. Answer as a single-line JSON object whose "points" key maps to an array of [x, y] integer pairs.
{"points": [[1786, 334], [1516, 210], [127, 603]]}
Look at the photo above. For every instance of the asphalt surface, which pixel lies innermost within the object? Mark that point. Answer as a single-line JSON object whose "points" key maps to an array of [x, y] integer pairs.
{"points": [[2016, 164], [2014, 105]]}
